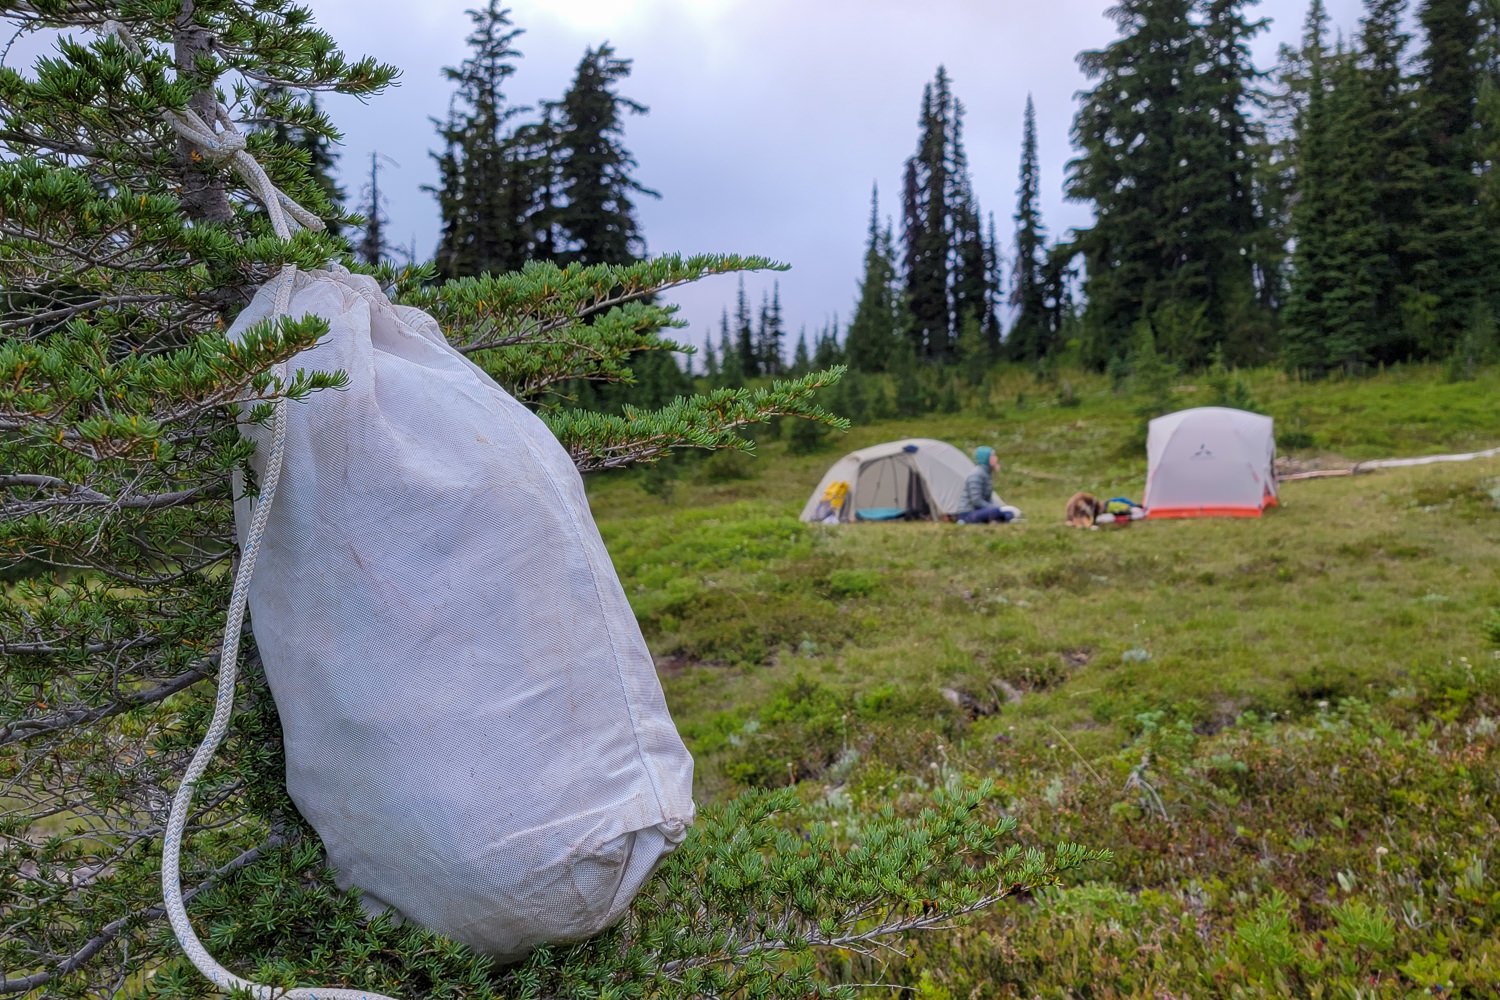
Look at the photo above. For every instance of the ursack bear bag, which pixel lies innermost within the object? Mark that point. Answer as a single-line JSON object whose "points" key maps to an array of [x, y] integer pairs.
{"points": [[472, 721]]}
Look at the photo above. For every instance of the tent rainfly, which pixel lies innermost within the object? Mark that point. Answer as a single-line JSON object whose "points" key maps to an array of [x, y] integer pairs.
{"points": [[916, 479], [1210, 462]]}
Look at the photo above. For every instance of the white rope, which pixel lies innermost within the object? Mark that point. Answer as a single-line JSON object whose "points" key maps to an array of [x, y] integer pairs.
{"points": [[227, 144]]}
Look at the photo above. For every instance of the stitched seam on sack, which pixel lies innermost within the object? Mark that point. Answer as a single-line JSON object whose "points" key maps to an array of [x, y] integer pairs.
{"points": [[635, 729]]}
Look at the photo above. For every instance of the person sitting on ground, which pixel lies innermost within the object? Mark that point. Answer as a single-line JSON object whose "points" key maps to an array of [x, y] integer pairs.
{"points": [[979, 490]]}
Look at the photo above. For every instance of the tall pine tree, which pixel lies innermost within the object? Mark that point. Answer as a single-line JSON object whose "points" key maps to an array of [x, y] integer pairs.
{"points": [[927, 231], [1030, 333], [744, 335], [1455, 251], [595, 213], [372, 244], [948, 269], [874, 333], [1331, 320], [1163, 139], [971, 282], [1389, 150], [484, 194]]}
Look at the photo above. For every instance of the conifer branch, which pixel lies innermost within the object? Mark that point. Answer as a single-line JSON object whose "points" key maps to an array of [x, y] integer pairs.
{"points": [[112, 930], [25, 729]]}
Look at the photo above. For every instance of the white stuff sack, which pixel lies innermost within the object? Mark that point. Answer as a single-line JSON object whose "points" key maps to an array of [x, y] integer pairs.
{"points": [[472, 721]]}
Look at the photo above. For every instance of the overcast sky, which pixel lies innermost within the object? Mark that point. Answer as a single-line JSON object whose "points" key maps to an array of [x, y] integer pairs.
{"points": [[769, 119]]}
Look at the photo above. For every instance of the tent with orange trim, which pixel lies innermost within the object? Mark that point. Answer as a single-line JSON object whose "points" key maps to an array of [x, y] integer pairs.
{"points": [[1211, 461]]}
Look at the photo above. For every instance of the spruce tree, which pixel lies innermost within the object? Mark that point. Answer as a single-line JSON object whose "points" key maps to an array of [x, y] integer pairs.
{"points": [[770, 334], [372, 248], [744, 335], [485, 191], [974, 355], [1389, 150], [1454, 252], [1487, 118], [994, 262], [971, 278], [594, 212], [1164, 158], [1278, 157], [927, 232], [731, 355], [1332, 318], [801, 359], [827, 351], [1029, 336], [710, 359], [948, 269], [1228, 222], [874, 333]]}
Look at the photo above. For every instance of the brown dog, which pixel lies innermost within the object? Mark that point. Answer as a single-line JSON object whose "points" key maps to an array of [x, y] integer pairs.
{"points": [[1083, 509]]}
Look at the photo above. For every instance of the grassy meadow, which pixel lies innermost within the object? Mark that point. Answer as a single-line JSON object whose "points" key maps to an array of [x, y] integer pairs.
{"points": [[1287, 729]]}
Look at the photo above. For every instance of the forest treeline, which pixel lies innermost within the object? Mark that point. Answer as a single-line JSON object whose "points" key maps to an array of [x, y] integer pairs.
{"points": [[1334, 213]]}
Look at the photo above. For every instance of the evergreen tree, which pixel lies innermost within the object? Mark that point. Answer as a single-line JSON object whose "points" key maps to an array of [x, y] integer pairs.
{"points": [[1152, 375], [1164, 157], [1487, 118], [874, 332], [731, 355], [657, 380], [486, 185], [948, 269], [1030, 331], [801, 360], [827, 350], [1227, 222], [1454, 251], [1058, 277], [973, 350], [1332, 317], [768, 338], [971, 286], [994, 262], [744, 335], [710, 359], [595, 215], [1389, 149], [372, 249], [1279, 157], [927, 231]]}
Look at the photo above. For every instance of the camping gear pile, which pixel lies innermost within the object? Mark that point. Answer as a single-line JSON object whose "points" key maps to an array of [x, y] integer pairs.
{"points": [[1120, 510]]}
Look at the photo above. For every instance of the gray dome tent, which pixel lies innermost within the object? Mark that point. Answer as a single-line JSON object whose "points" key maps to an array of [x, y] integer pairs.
{"points": [[913, 479]]}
